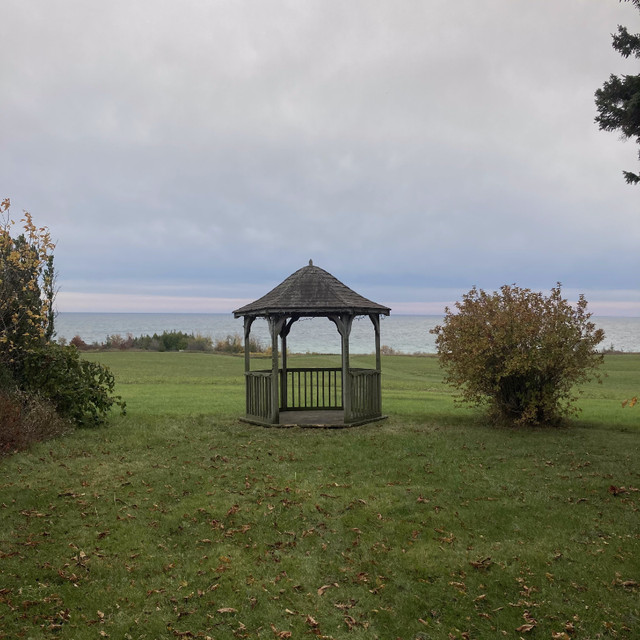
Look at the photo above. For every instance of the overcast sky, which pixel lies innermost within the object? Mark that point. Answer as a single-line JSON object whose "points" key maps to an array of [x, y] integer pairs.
{"points": [[190, 155]]}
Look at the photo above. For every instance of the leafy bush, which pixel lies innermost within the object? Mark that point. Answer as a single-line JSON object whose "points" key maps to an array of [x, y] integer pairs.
{"points": [[116, 341], [167, 341], [26, 288], [199, 342], [32, 365], [80, 390], [386, 350], [235, 344], [520, 352], [230, 344], [78, 343], [25, 419]]}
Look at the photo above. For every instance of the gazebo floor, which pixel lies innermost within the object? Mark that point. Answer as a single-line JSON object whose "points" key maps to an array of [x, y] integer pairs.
{"points": [[317, 418]]}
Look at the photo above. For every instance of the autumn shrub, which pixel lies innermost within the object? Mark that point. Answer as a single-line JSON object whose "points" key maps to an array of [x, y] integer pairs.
{"points": [[78, 343], [519, 352], [235, 344], [25, 419], [229, 344], [32, 365], [199, 342], [116, 341], [27, 288]]}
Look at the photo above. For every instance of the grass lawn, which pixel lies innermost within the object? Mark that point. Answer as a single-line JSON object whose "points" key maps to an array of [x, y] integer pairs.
{"points": [[179, 521]]}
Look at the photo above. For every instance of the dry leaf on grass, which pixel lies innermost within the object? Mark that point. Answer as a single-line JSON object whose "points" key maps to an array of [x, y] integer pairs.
{"points": [[324, 587], [280, 634]]}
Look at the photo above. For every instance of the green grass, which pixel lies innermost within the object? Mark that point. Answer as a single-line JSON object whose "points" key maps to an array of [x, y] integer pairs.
{"points": [[178, 520]]}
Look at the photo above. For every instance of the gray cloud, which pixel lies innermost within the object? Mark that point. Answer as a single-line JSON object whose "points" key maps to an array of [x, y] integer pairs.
{"points": [[211, 148]]}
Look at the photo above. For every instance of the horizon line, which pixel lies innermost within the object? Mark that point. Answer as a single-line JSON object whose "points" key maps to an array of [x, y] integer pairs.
{"points": [[76, 302]]}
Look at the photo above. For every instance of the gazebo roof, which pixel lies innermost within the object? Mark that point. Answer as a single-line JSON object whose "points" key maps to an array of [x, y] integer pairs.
{"points": [[311, 291]]}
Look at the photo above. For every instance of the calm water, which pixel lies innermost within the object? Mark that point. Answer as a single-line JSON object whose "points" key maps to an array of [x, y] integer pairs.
{"points": [[407, 334]]}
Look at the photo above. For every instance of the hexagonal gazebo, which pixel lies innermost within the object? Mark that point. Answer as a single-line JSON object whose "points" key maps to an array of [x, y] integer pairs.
{"points": [[340, 396]]}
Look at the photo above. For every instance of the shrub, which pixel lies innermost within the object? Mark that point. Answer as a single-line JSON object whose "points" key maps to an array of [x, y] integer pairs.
{"points": [[234, 344], [230, 344], [199, 342], [80, 390], [520, 352], [116, 341], [26, 288], [25, 419], [77, 342], [30, 362]]}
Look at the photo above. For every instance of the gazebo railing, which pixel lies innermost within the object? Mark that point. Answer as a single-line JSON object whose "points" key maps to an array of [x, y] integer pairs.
{"points": [[258, 394], [311, 388], [314, 388], [365, 393]]}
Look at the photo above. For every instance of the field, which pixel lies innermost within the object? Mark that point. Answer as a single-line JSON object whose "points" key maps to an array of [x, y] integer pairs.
{"points": [[179, 521]]}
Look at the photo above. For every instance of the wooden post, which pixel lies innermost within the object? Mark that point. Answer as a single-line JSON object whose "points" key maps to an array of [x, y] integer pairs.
{"points": [[284, 332], [248, 321], [343, 323], [247, 347], [375, 319], [275, 326], [283, 388]]}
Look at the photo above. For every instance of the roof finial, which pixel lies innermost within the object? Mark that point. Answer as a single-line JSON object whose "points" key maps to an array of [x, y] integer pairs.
{"points": [[311, 263]]}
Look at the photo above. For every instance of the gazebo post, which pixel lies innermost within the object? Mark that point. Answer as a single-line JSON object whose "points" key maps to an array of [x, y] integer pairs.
{"points": [[343, 323], [375, 319], [275, 327], [248, 321], [284, 332], [283, 388]]}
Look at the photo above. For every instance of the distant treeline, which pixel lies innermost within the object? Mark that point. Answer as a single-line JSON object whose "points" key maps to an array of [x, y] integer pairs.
{"points": [[169, 341]]}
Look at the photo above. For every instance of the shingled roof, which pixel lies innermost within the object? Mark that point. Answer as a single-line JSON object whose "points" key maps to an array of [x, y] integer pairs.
{"points": [[311, 291]]}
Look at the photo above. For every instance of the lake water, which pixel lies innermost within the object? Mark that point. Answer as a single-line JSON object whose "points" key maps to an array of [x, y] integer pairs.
{"points": [[406, 334]]}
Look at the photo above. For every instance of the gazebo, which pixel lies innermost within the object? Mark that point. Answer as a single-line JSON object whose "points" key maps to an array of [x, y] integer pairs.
{"points": [[338, 396]]}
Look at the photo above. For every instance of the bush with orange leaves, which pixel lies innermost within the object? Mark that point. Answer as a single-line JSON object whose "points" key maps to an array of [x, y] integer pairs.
{"points": [[519, 352]]}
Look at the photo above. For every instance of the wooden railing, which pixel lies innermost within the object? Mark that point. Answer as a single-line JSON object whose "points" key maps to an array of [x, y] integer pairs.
{"points": [[306, 388], [258, 390], [365, 393], [321, 388]]}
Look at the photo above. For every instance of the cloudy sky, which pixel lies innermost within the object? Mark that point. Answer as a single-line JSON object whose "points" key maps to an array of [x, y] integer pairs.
{"points": [[189, 155]]}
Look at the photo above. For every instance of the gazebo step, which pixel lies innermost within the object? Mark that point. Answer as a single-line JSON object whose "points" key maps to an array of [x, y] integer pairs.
{"points": [[319, 419]]}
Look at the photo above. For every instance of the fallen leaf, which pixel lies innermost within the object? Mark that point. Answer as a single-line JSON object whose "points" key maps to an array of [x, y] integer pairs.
{"points": [[350, 622], [227, 610], [526, 627], [324, 587], [483, 564], [280, 634]]}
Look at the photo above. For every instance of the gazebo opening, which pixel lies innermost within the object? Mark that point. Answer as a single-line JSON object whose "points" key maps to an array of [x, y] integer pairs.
{"points": [[311, 396]]}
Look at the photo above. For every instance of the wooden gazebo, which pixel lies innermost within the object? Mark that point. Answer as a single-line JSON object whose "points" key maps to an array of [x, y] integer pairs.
{"points": [[340, 396]]}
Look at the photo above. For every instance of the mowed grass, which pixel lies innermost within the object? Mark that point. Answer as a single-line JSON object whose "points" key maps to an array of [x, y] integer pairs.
{"points": [[178, 520]]}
